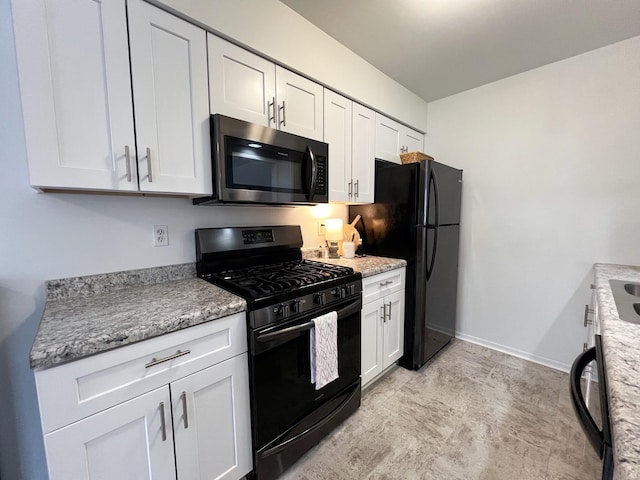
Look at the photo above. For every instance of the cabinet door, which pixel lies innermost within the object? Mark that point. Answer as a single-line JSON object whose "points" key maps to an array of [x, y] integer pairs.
{"points": [[242, 84], [393, 328], [387, 139], [124, 442], [299, 104], [73, 60], [211, 422], [363, 159], [371, 332], [412, 141], [337, 133], [171, 97]]}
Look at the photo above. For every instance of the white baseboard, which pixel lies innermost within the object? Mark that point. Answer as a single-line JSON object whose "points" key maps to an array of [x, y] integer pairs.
{"points": [[547, 362]]}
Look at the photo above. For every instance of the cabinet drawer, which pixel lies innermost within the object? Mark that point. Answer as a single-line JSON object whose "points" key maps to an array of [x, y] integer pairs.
{"points": [[72, 391], [377, 286]]}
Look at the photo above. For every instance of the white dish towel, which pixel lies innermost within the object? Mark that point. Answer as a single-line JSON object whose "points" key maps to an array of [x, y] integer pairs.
{"points": [[324, 349]]}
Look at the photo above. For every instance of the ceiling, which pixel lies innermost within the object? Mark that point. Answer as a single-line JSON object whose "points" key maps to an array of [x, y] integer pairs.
{"points": [[437, 48]]}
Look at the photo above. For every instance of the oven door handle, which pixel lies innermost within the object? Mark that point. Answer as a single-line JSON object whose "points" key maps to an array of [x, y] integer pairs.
{"points": [[589, 426], [351, 309], [284, 445]]}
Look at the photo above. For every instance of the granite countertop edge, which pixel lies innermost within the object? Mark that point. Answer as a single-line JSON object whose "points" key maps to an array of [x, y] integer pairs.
{"points": [[88, 315], [620, 340]]}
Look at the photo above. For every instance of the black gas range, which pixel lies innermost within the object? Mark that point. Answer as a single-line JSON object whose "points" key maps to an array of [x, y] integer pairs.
{"points": [[284, 293]]}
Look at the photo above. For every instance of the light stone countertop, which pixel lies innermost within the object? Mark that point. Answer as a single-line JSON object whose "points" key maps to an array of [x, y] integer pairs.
{"points": [[621, 348], [367, 265], [88, 315]]}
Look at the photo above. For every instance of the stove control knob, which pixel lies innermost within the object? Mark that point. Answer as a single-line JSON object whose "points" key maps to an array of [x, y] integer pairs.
{"points": [[351, 289], [296, 306], [320, 298], [338, 292], [283, 310]]}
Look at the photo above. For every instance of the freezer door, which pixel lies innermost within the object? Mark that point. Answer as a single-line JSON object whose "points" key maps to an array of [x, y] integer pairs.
{"points": [[444, 187]]}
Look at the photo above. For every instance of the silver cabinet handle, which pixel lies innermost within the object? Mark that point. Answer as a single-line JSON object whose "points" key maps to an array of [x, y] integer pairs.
{"points": [[185, 414], [350, 187], [163, 423], [283, 120], [271, 105], [127, 156], [155, 361], [587, 311], [149, 164], [389, 313], [384, 312], [384, 284], [356, 188]]}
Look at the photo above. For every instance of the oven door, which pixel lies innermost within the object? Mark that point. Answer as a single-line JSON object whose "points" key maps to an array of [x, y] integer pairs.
{"points": [[259, 164], [285, 402]]}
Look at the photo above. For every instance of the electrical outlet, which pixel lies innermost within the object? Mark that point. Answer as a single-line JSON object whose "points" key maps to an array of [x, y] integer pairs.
{"points": [[160, 236], [322, 228]]}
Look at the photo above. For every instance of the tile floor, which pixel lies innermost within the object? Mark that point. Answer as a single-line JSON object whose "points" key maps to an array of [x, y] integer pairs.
{"points": [[472, 413]]}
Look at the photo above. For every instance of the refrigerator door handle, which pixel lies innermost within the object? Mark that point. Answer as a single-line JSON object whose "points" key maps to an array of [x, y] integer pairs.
{"points": [[434, 181]]}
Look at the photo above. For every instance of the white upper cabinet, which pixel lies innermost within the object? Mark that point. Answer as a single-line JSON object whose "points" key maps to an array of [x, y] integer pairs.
{"points": [[77, 99], [246, 86], [170, 91], [393, 138], [363, 160], [242, 85], [73, 60], [338, 112], [350, 133], [300, 108]]}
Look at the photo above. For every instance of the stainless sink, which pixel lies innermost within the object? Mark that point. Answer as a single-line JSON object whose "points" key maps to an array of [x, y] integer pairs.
{"points": [[632, 289], [625, 294]]}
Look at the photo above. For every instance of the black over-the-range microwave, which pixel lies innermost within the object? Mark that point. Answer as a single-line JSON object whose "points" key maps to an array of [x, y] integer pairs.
{"points": [[257, 164]]}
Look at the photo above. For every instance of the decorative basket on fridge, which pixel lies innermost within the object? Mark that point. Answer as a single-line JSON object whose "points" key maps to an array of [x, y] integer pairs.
{"points": [[413, 157]]}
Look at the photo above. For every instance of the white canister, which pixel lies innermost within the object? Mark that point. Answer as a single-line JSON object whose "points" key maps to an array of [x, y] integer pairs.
{"points": [[348, 249]]}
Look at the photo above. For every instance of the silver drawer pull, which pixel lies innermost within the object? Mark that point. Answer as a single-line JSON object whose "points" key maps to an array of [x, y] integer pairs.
{"points": [[163, 423], [149, 165], [184, 409], [384, 284], [156, 361], [587, 311], [127, 157]]}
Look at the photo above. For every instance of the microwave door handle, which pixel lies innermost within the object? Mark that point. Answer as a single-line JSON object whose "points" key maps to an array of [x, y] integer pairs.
{"points": [[314, 174]]}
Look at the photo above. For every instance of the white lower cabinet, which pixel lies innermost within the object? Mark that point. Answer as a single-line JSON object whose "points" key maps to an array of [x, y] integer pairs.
{"points": [[191, 422], [123, 442], [210, 422], [382, 322]]}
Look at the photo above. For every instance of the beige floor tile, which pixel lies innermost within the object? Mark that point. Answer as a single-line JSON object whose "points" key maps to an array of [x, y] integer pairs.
{"points": [[471, 414]]}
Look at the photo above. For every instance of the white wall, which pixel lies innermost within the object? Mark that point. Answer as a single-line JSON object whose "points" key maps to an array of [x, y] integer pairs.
{"points": [[551, 161], [274, 30]]}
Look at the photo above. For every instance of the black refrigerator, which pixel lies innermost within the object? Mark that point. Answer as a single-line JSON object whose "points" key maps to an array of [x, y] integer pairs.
{"points": [[416, 216]]}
